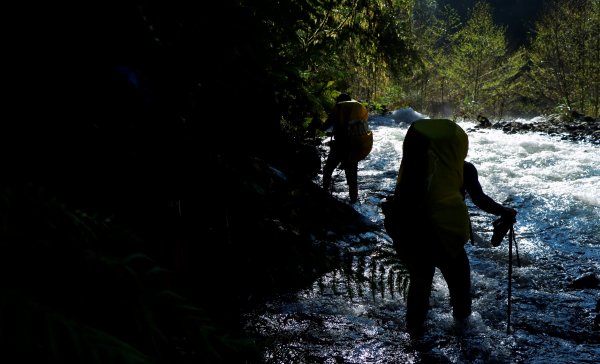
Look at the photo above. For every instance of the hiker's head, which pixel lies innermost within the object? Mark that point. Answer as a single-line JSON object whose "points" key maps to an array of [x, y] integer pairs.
{"points": [[343, 97]]}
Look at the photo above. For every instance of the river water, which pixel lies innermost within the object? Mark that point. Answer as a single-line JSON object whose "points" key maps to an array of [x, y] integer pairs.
{"points": [[355, 314]]}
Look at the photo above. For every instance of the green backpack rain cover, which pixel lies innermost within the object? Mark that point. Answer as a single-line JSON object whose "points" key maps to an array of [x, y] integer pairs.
{"points": [[428, 189]]}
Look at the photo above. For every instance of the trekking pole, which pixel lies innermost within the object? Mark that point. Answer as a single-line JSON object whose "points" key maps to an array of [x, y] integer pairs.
{"points": [[511, 239]]}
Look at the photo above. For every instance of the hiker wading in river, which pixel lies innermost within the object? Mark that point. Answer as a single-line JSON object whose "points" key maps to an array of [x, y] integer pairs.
{"points": [[428, 218]]}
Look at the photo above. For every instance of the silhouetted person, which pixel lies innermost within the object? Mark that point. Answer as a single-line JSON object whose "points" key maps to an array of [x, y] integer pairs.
{"points": [[432, 222], [345, 111]]}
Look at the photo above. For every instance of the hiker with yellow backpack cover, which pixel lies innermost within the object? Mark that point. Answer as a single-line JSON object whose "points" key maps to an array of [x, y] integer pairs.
{"points": [[352, 142]]}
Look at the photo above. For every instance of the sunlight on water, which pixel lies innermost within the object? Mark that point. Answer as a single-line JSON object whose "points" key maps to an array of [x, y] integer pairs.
{"points": [[551, 179]]}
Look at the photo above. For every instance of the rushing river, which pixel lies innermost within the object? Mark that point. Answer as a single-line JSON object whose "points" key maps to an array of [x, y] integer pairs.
{"points": [[356, 314]]}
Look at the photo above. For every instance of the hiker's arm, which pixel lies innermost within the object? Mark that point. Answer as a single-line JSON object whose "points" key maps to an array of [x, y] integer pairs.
{"points": [[479, 198], [327, 123]]}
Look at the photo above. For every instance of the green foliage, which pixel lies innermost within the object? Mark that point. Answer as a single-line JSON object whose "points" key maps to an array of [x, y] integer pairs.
{"points": [[434, 29], [467, 67], [564, 67], [381, 275], [478, 54], [506, 90], [357, 45], [393, 97], [376, 107]]}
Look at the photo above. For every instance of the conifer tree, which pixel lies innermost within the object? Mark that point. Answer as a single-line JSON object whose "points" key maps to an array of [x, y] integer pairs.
{"points": [[475, 70], [565, 58]]}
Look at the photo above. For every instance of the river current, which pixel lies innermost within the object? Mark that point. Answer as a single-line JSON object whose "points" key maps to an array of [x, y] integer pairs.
{"points": [[355, 314]]}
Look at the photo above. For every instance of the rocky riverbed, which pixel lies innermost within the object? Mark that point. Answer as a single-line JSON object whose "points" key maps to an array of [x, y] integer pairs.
{"points": [[579, 128]]}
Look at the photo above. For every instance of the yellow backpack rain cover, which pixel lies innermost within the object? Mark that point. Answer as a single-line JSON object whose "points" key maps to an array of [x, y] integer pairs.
{"points": [[436, 149], [359, 137]]}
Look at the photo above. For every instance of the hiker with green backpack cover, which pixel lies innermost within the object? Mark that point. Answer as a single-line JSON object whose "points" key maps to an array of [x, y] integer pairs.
{"points": [[428, 219]]}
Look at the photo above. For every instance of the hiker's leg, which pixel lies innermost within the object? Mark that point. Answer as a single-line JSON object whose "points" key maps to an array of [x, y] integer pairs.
{"points": [[351, 170], [421, 274], [330, 164], [457, 273]]}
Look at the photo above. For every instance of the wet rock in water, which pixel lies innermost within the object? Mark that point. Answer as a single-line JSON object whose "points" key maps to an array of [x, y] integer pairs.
{"points": [[585, 281], [584, 128]]}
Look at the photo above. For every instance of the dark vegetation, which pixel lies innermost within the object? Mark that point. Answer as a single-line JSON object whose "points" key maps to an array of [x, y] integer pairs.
{"points": [[155, 177], [148, 191]]}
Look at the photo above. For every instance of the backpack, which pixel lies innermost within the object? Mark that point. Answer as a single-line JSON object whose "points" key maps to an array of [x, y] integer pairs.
{"points": [[357, 135], [428, 198], [360, 139]]}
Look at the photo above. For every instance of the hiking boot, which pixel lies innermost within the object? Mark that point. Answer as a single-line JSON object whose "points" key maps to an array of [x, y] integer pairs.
{"points": [[415, 328], [353, 194], [416, 332], [460, 325]]}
